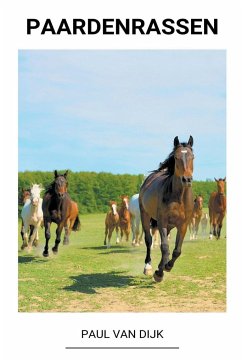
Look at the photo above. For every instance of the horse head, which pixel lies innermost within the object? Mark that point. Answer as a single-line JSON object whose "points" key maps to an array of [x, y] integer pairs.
{"points": [[199, 202], [35, 194], [113, 206], [61, 184], [220, 185], [183, 156], [125, 201]]}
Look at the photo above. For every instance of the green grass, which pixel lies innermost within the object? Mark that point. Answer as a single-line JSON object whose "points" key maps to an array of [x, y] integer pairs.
{"points": [[87, 277]]}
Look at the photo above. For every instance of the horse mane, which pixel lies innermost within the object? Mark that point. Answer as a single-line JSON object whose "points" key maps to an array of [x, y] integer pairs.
{"points": [[50, 189]]}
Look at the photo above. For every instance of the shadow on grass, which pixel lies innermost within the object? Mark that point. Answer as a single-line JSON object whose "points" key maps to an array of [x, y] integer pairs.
{"points": [[115, 249], [90, 283], [29, 259]]}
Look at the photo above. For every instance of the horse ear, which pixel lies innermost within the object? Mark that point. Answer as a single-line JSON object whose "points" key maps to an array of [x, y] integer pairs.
{"points": [[176, 141], [224, 179], [65, 174], [215, 179], [190, 141], [56, 173]]}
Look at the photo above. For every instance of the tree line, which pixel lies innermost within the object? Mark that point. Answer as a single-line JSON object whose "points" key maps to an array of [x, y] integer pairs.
{"points": [[93, 191]]}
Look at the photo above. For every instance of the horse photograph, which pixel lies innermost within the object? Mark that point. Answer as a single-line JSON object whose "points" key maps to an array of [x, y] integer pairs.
{"points": [[129, 142]]}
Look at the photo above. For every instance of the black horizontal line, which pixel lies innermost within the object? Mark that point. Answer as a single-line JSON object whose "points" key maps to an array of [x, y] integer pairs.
{"points": [[122, 347]]}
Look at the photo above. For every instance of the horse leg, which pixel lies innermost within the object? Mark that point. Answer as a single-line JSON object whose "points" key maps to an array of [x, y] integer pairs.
{"points": [[133, 230], [117, 236], [196, 228], [181, 232], [31, 236], [121, 233], [211, 228], [36, 238], [47, 224], [110, 235], [165, 252], [68, 226], [106, 233], [58, 237], [22, 231], [127, 232], [145, 219], [219, 226], [25, 235]]}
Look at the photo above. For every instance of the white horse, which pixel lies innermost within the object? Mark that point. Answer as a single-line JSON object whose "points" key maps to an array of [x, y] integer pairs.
{"points": [[135, 220], [32, 216]]}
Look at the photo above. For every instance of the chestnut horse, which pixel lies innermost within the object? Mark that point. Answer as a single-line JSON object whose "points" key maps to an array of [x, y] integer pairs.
{"points": [[124, 218], [111, 223], [196, 217], [166, 198], [60, 209], [217, 209]]}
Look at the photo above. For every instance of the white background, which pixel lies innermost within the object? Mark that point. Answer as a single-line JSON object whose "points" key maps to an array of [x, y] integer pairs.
{"points": [[43, 336]]}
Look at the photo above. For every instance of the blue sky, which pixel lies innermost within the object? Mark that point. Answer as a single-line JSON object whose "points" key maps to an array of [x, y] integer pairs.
{"points": [[119, 110]]}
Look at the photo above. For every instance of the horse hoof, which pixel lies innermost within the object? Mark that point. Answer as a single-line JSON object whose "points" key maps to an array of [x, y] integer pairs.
{"points": [[65, 242], [55, 251], [157, 278], [148, 270], [168, 268], [45, 254]]}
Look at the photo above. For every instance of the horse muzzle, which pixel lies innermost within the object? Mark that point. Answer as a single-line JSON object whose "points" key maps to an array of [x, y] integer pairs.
{"points": [[60, 195], [186, 181]]}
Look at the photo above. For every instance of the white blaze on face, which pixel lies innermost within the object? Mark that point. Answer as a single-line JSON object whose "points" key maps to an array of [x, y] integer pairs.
{"points": [[183, 151], [126, 202], [114, 208]]}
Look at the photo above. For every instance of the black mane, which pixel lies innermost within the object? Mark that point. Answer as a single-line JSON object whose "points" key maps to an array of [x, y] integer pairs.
{"points": [[50, 189]]}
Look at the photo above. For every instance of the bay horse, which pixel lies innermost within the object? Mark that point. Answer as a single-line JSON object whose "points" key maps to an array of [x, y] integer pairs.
{"points": [[217, 209], [166, 198], [111, 223], [196, 217], [32, 217], [124, 218], [60, 209]]}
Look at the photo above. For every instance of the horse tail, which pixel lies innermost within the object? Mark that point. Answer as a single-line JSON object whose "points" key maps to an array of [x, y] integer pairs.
{"points": [[77, 224]]}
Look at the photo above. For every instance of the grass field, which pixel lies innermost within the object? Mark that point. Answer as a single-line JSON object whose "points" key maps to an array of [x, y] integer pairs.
{"points": [[87, 277]]}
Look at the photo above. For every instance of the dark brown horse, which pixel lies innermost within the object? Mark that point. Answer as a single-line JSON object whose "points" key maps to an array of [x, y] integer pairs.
{"points": [[166, 200], [217, 209], [124, 218], [60, 209], [196, 217], [111, 223]]}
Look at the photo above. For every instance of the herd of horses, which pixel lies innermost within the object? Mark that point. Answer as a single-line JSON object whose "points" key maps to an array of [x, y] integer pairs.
{"points": [[165, 201]]}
